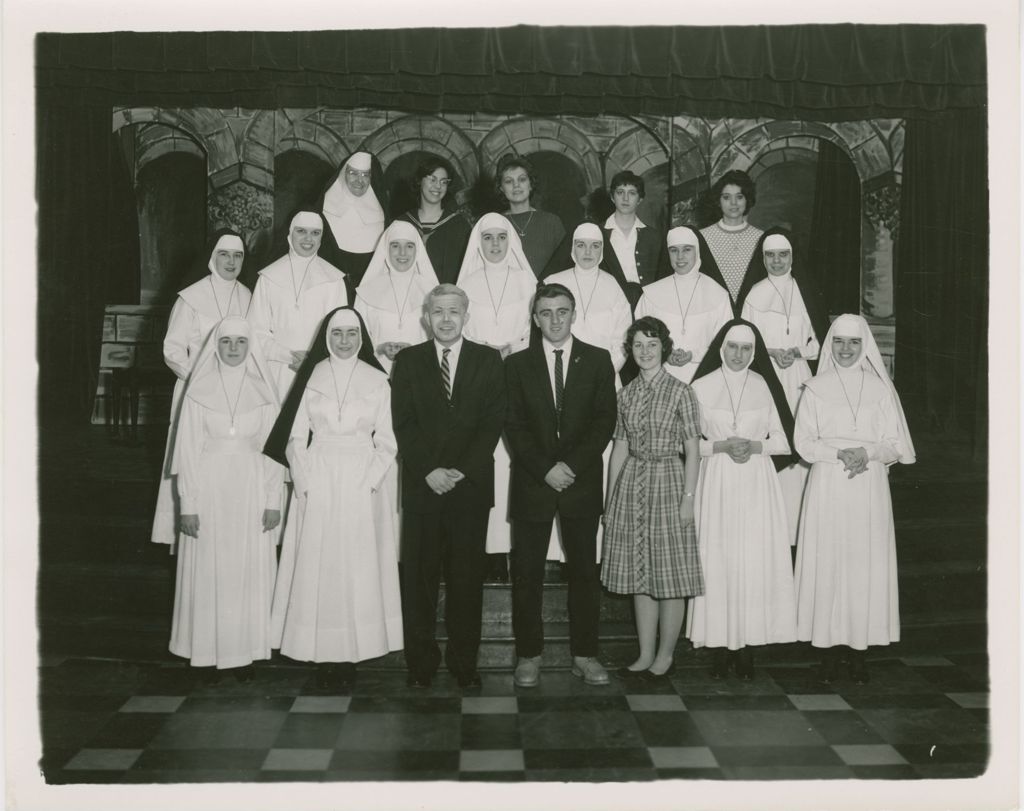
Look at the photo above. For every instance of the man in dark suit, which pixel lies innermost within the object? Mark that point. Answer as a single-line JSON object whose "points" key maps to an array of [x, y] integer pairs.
{"points": [[637, 255], [448, 408], [561, 414]]}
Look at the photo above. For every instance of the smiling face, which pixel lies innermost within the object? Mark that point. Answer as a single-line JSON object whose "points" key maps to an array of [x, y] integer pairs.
{"points": [[587, 252], [434, 186], [733, 203], [646, 351], [232, 349], [447, 316], [227, 263], [555, 317], [357, 181], [626, 199], [736, 355], [494, 244], [846, 350], [401, 254], [682, 258], [305, 239], [779, 261], [515, 185], [345, 341]]}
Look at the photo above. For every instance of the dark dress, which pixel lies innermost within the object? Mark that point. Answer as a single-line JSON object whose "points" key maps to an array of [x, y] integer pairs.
{"points": [[445, 241], [541, 233], [647, 547]]}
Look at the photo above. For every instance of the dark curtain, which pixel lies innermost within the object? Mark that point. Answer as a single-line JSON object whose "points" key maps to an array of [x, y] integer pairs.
{"points": [[816, 72], [942, 275], [88, 251], [834, 251]]}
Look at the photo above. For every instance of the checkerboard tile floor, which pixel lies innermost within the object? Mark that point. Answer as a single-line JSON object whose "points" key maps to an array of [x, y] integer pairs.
{"points": [[121, 722]]}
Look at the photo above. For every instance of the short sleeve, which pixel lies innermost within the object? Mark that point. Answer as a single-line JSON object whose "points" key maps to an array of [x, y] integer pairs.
{"points": [[689, 413]]}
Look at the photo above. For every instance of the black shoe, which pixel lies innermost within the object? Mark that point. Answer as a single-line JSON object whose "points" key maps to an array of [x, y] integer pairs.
{"points": [[324, 675], [829, 666], [344, 674], [745, 664], [468, 678], [244, 674], [720, 664], [650, 676], [208, 675], [414, 679], [626, 673], [497, 568], [859, 668]]}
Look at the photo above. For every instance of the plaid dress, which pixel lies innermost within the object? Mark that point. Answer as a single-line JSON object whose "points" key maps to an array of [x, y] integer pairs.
{"points": [[647, 548]]}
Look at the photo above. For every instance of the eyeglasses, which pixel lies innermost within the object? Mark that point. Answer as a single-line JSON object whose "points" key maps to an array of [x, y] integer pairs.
{"points": [[437, 181], [356, 173]]}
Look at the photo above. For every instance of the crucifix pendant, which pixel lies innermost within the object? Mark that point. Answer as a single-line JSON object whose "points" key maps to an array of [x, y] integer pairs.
{"points": [[231, 430]]}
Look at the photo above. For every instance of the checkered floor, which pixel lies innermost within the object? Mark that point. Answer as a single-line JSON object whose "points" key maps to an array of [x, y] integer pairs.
{"points": [[122, 722]]}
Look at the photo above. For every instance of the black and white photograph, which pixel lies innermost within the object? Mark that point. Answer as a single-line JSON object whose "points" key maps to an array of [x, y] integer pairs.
{"points": [[466, 407]]}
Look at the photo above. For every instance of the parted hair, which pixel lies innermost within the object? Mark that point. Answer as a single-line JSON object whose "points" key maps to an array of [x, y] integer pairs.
{"points": [[653, 328], [551, 290], [445, 289]]}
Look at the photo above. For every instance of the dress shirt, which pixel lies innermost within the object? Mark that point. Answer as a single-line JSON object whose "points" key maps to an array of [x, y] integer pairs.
{"points": [[453, 357], [549, 356], [624, 245]]}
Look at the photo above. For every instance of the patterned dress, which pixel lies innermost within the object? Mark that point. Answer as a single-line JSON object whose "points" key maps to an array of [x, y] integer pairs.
{"points": [[647, 548], [732, 249]]}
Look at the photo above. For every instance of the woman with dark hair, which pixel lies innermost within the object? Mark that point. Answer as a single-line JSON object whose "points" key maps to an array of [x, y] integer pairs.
{"points": [[230, 504], [746, 434], [650, 544], [785, 308], [196, 311], [850, 426], [732, 239], [353, 205], [337, 597], [443, 226], [541, 233]]}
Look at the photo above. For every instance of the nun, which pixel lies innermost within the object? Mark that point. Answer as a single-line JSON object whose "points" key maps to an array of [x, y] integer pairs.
{"points": [[337, 599], [746, 433], [390, 297], [850, 426], [692, 302], [196, 311], [785, 311], [496, 277], [230, 503], [292, 296], [353, 206]]}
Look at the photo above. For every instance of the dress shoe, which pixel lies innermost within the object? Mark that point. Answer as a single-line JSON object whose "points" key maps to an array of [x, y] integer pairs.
{"points": [[651, 676], [590, 670], [745, 664], [209, 675], [859, 668], [422, 680], [244, 674], [468, 678], [829, 666], [626, 673], [527, 672], [720, 663], [344, 674]]}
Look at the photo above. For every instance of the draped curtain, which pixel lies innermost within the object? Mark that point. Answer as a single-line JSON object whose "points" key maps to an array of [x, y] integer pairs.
{"points": [[942, 276]]}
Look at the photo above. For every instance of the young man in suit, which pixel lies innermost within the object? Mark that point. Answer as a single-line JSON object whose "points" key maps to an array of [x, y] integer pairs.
{"points": [[561, 414], [637, 256], [448, 408]]}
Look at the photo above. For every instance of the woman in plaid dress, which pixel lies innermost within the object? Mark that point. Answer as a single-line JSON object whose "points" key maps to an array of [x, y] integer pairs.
{"points": [[650, 544]]}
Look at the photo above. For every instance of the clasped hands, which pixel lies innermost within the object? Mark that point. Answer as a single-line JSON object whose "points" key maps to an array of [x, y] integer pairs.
{"points": [[559, 477], [784, 357], [855, 460], [443, 479], [738, 448], [190, 522], [390, 349], [680, 357]]}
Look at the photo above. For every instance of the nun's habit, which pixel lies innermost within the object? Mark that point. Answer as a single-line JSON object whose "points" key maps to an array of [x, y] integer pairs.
{"points": [[225, 578], [196, 311], [846, 578], [499, 316], [391, 301], [777, 306], [292, 296], [740, 514], [353, 223], [337, 596], [693, 305]]}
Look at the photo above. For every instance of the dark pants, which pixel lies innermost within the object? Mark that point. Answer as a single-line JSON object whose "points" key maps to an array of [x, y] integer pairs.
{"points": [[529, 550], [453, 540]]}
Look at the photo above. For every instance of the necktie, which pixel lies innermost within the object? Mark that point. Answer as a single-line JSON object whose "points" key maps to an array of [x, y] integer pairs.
{"points": [[446, 372], [559, 381]]}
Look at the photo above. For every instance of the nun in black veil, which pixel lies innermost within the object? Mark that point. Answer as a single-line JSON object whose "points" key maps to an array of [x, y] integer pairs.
{"points": [[337, 596]]}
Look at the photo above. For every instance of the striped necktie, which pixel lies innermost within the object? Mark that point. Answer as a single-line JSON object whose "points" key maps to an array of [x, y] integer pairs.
{"points": [[559, 381], [446, 373]]}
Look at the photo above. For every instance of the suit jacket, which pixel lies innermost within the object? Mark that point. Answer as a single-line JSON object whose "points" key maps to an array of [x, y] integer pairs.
{"points": [[651, 261], [433, 432], [538, 440]]}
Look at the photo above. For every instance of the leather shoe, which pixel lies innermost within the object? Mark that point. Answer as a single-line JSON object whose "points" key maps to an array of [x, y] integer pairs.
{"points": [[745, 664], [720, 664], [414, 679], [626, 673], [527, 672], [590, 670], [859, 668], [468, 678], [650, 675]]}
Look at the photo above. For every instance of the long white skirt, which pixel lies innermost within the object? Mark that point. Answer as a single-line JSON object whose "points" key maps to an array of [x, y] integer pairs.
{"points": [[226, 576], [337, 597], [165, 520]]}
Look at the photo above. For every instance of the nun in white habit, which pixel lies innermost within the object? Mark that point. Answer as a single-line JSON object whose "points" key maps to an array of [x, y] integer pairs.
{"points": [[230, 503], [196, 311], [391, 295], [850, 426], [776, 307], [497, 278], [691, 304], [741, 518], [337, 599], [292, 296]]}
